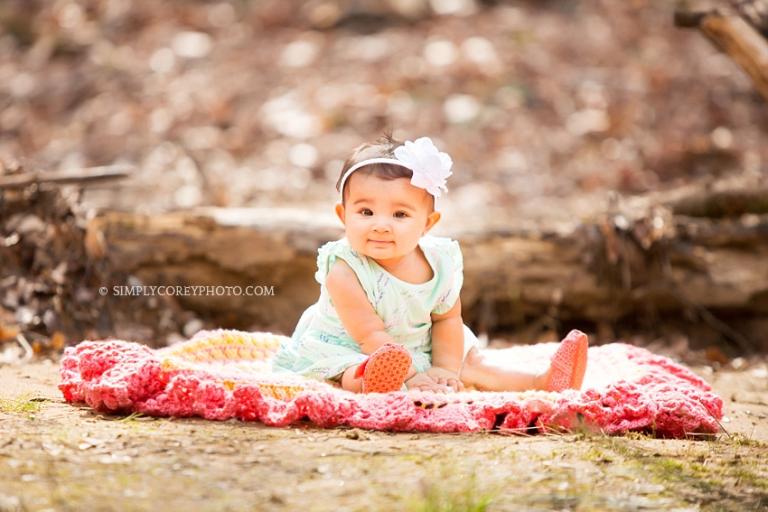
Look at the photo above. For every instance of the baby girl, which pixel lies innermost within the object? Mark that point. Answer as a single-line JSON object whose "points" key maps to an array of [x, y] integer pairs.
{"points": [[389, 312]]}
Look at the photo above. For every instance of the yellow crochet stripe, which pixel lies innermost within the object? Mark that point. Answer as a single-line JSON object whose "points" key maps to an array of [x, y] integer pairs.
{"points": [[227, 345], [264, 381], [280, 391], [252, 350]]}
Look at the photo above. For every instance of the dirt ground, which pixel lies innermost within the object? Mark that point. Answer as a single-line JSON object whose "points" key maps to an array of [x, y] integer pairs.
{"points": [[55, 456]]}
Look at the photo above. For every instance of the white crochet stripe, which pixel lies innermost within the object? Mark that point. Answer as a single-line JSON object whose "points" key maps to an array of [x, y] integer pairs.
{"points": [[370, 161]]}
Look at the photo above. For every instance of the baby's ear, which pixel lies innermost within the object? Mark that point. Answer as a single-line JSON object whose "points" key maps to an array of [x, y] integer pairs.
{"points": [[432, 219], [339, 209]]}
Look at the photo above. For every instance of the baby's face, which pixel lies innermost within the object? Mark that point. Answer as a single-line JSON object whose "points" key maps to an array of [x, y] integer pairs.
{"points": [[384, 219]]}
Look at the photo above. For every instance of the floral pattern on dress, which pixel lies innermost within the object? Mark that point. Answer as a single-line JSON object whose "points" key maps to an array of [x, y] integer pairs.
{"points": [[320, 346]]}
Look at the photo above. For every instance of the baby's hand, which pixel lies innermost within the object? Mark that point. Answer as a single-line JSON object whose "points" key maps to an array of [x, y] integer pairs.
{"points": [[446, 378], [423, 382]]}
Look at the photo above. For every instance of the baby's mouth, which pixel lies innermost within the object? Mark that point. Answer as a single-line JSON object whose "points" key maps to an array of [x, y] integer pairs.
{"points": [[382, 241]]}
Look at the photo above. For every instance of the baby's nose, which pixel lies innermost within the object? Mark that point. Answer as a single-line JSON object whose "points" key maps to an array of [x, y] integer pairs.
{"points": [[382, 225]]}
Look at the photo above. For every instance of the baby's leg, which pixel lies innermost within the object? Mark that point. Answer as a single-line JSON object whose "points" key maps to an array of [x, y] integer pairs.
{"points": [[350, 382], [384, 371], [484, 372], [488, 373]]}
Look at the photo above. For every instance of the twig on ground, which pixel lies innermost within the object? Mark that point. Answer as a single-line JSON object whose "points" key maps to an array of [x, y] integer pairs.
{"points": [[12, 356], [79, 176]]}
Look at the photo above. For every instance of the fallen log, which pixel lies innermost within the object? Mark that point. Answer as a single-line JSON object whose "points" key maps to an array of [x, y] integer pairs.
{"points": [[609, 271]]}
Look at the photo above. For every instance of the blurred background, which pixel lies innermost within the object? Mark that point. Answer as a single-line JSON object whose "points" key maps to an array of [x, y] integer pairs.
{"points": [[548, 108], [544, 105]]}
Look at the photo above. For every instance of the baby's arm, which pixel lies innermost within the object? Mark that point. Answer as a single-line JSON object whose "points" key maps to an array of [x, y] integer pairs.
{"points": [[448, 346], [355, 312], [361, 321]]}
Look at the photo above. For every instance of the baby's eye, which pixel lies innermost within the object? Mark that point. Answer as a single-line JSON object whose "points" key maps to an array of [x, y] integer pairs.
{"points": [[401, 215], [366, 211]]}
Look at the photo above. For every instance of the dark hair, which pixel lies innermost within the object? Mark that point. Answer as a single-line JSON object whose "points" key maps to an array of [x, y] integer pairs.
{"points": [[384, 147]]}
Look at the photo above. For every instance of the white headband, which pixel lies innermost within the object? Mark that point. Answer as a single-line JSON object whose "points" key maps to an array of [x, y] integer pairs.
{"points": [[430, 167]]}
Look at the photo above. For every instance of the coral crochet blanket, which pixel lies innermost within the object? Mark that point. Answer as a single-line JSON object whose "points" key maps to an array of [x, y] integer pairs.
{"points": [[222, 374]]}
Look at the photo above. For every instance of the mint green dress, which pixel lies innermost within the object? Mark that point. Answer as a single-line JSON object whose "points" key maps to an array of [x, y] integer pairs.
{"points": [[320, 347]]}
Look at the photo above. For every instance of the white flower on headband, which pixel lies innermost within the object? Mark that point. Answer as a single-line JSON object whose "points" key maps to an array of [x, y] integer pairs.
{"points": [[430, 167]]}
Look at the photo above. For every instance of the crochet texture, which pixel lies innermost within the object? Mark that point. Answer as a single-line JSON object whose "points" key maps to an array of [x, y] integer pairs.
{"points": [[223, 374]]}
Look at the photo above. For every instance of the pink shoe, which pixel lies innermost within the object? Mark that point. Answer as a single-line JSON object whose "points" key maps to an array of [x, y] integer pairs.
{"points": [[569, 363], [385, 370]]}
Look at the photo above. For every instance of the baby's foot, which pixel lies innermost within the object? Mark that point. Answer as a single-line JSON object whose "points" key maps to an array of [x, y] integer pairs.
{"points": [[385, 370], [569, 363]]}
